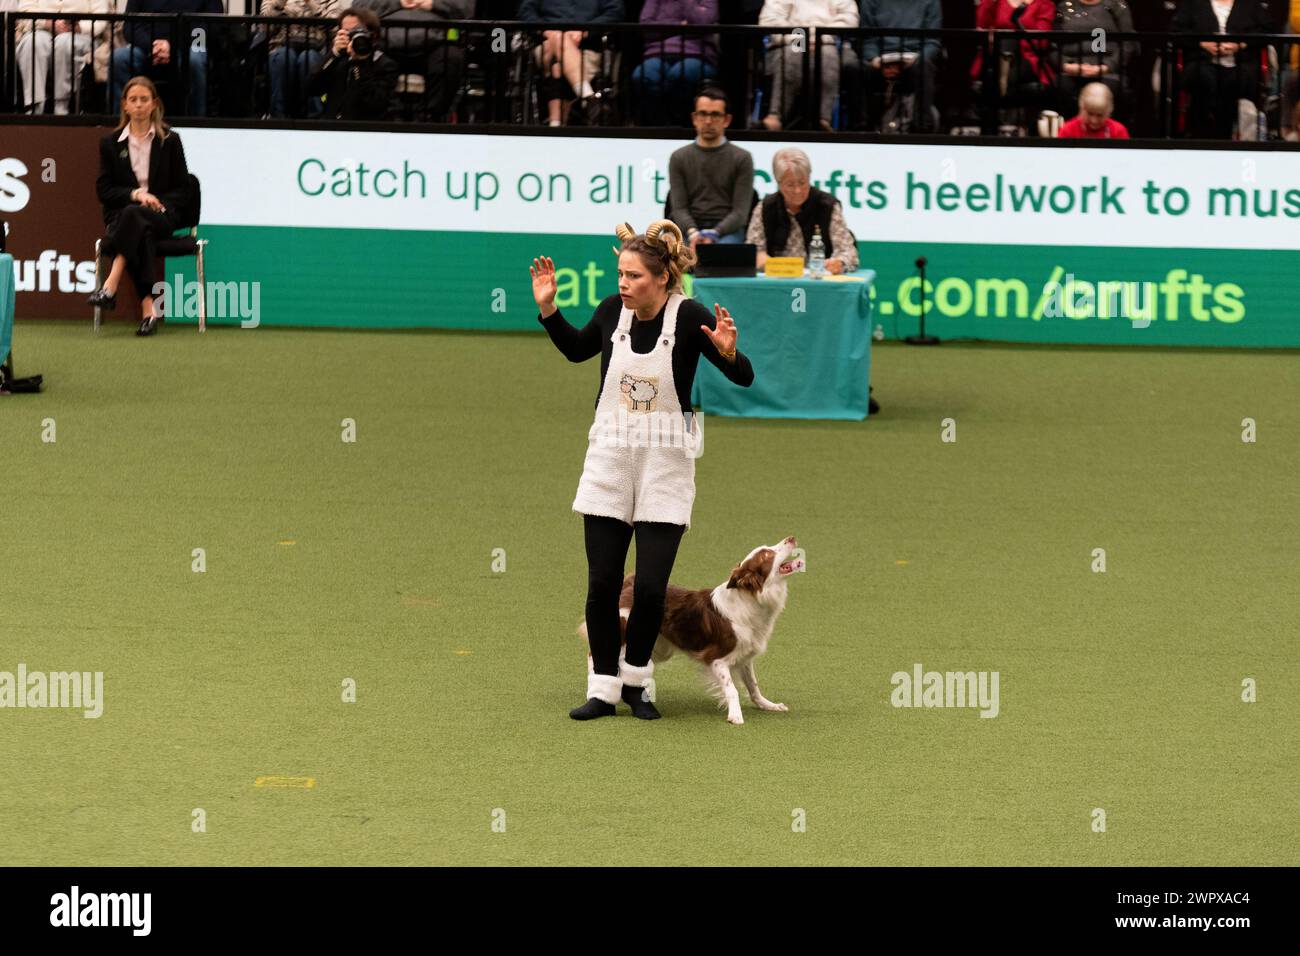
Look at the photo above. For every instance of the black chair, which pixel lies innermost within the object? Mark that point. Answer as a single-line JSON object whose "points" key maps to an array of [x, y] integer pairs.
{"points": [[178, 246]]}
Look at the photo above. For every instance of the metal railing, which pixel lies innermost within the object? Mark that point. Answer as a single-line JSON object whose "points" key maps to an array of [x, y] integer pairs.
{"points": [[497, 72]]}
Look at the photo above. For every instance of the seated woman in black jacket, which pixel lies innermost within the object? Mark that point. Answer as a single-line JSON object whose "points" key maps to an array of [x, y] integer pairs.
{"points": [[143, 183]]}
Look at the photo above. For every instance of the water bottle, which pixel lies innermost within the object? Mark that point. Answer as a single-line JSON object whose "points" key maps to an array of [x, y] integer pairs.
{"points": [[817, 254]]}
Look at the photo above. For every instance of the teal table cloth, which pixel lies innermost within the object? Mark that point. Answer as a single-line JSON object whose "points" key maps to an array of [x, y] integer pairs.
{"points": [[7, 293], [808, 339]]}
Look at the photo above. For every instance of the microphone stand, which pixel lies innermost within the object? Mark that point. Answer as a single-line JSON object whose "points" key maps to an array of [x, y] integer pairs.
{"points": [[921, 338]]}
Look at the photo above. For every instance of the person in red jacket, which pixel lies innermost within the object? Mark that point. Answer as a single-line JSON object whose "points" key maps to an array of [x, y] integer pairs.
{"points": [[1096, 103], [1001, 15]]}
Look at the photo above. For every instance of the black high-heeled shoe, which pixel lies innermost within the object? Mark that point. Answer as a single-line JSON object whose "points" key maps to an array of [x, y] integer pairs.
{"points": [[103, 299], [148, 325]]}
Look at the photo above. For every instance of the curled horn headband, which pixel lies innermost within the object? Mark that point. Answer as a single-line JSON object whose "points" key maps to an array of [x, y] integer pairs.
{"points": [[663, 231], [624, 231], [666, 232]]}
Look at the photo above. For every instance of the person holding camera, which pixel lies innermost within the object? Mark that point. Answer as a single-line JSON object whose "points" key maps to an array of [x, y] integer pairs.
{"points": [[357, 80], [419, 46]]}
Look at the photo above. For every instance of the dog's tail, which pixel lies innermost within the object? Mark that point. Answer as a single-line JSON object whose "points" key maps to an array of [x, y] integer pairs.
{"points": [[662, 650]]}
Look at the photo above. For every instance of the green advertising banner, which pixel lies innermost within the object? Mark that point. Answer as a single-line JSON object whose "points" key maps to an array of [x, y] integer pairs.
{"points": [[1090, 246]]}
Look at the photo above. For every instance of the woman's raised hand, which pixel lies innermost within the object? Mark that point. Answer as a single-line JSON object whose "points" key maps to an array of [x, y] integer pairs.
{"points": [[543, 272], [724, 336]]}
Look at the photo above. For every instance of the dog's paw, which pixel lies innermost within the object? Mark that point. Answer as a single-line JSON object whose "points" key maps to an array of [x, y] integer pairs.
{"points": [[735, 718], [768, 705]]}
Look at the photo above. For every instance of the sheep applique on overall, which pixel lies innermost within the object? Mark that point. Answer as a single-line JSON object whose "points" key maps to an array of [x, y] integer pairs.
{"points": [[639, 392]]}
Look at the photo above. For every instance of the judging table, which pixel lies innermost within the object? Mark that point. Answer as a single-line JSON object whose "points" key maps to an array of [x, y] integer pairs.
{"points": [[7, 293], [809, 341]]}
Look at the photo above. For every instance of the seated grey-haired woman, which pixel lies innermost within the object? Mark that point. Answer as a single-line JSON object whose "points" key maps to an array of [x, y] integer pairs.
{"points": [[784, 222]]}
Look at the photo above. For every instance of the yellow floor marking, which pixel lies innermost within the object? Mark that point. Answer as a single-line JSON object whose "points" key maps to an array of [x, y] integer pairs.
{"points": [[295, 783], [900, 562], [414, 600]]}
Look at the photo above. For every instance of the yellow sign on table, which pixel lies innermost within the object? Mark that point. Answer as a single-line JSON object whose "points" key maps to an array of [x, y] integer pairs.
{"points": [[783, 267]]}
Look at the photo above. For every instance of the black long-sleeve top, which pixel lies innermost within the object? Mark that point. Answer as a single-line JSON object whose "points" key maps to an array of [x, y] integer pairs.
{"points": [[597, 338]]}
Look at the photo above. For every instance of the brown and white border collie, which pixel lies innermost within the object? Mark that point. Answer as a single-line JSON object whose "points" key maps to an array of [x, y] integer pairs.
{"points": [[723, 627]]}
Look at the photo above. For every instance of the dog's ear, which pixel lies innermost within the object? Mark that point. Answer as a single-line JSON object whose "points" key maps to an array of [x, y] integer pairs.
{"points": [[747, 577], [739, 574]]}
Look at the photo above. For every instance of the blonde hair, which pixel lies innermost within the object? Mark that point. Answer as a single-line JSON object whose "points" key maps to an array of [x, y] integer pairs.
{"points": [[156, 117], [662, 248]]}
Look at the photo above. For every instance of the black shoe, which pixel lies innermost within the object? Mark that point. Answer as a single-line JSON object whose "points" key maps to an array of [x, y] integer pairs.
{"points": [[873, 406], [593, 708], [103, 299], [147, 326], [641, 706]]}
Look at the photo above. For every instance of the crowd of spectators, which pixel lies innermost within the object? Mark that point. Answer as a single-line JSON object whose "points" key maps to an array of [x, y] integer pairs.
{"points": [[833, 65]]}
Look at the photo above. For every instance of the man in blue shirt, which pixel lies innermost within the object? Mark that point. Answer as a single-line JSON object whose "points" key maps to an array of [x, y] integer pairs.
{"points": [[152, 48]]}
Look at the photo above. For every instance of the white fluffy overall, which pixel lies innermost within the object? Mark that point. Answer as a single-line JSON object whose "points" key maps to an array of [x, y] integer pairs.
{"points": [[639, 398]]}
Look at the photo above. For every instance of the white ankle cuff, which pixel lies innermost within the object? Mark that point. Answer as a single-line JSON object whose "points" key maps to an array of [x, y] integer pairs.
{"points": [[636, 676], [604, 687]]}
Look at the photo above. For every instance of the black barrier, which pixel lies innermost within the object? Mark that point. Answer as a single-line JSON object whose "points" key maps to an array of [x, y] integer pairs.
{"points": [[481, 72]]}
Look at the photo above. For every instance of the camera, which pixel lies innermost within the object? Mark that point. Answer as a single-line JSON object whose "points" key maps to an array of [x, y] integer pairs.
{"points": [[361, 42]]}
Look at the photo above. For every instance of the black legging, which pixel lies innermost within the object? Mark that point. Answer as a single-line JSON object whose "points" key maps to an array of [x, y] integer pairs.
{"points": [[656, 550], [135, 231]]}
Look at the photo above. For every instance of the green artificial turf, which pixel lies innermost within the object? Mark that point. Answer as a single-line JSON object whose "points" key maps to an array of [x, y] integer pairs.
{"points": [[373, 561]]}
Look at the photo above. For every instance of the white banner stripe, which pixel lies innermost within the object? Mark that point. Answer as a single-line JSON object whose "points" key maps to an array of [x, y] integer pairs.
{"points": [[962, 193]]}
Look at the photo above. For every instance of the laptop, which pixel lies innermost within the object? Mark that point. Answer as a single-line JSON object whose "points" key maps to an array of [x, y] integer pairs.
{"points": [[725, 259]]}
